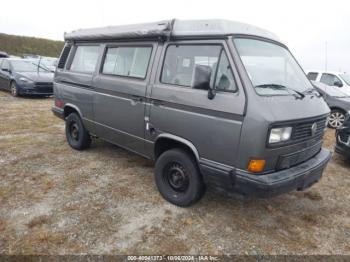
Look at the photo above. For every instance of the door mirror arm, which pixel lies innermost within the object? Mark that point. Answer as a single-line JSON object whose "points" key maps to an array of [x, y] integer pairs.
{"points": [[211, 93]]}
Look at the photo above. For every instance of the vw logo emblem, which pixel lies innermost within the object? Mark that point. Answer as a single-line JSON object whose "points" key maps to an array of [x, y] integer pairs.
{"points": [[313, 129]]}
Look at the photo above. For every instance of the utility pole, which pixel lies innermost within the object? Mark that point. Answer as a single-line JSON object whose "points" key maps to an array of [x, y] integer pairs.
{"points": [[326, 57]]}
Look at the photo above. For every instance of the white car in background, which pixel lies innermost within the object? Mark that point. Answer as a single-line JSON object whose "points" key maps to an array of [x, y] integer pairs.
{"points": [[336, 79]]}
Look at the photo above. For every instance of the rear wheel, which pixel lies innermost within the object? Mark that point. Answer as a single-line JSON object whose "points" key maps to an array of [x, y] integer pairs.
{"points": [[77, 136], [178, 178], [14, 89], [336, 118]]}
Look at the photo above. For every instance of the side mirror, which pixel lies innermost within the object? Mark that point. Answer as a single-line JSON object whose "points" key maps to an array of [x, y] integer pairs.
{"points": [[338, 83], [201, 77], [6, 70]]}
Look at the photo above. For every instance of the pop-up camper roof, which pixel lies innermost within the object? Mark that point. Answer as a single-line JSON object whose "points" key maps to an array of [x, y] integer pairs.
{"points": [[171, 28]]}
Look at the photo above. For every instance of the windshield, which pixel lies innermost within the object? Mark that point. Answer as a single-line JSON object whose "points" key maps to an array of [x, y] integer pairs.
{"points": [[27, 66], [48, 61], [346, 78], [271, 68]]}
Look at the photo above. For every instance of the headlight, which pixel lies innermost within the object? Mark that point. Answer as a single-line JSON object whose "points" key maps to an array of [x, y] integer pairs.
{"points": [[25, 80], [280, 134]]}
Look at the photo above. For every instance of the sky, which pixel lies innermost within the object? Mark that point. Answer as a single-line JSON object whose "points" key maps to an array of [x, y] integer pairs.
{"points": [[306, 27]]}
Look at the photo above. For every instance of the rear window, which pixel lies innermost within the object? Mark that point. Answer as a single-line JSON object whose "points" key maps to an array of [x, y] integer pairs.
{"points": [[85, 59], [312, 76], [127, 61]]}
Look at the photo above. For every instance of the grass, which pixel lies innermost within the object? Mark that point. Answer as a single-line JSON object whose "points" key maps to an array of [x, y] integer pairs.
{"points": [[55, 200], [37, 221], [19, 45]]}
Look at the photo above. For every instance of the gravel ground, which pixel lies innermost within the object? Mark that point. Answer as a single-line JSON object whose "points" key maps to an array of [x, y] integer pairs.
{"points": [[54, 200]]}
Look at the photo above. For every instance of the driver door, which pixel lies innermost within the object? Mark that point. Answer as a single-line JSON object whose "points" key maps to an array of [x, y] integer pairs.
{"points": [[182, 108]]}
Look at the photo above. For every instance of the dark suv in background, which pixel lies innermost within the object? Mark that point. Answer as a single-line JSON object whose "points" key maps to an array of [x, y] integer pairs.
{"points": [[25, 77]]}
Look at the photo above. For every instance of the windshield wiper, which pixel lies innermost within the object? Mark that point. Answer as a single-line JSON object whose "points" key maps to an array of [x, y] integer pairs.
{"points": [[41, 67], [282, 87], [312, 91]]}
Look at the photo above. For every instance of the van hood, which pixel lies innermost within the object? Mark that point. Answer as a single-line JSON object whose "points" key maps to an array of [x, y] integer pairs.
{"points": [[284, 108], [37, 76]]}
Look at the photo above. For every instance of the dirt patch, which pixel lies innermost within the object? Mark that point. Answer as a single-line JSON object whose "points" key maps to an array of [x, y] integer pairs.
{"points": [[54, 200]]}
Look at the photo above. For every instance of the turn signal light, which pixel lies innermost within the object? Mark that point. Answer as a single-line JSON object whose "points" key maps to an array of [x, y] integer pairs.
{"points": [[256, 165]]}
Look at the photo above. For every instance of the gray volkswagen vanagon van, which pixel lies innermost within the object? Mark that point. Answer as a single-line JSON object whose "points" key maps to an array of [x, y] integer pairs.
{"points": [[213, 102]]}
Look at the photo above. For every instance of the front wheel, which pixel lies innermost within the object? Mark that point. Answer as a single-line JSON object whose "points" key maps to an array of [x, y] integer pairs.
{"points": [[336, 118], [178, 178], [14, 89], [77, 136]]}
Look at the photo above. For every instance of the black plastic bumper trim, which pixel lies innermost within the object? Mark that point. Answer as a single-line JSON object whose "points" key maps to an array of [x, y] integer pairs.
{"points": [[296, 178]]}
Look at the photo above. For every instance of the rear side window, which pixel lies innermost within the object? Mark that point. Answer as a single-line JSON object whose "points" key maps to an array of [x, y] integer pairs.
{"points": [[85, 59], [329, 79], [64, 56], [127, 61], [312, 76], [183, 62]]}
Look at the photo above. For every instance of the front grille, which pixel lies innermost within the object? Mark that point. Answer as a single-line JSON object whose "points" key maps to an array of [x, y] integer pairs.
{"points": [[44, 87], [303, 130], [286, 161]]}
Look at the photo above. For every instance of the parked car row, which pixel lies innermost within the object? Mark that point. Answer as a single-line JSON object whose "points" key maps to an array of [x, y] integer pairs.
{"points": [[25, 77]]}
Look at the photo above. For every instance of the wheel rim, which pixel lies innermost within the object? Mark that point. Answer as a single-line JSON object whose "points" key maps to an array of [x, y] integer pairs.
{"points": [[177, 177], [336, 119], [13, 90], [74, 131]]}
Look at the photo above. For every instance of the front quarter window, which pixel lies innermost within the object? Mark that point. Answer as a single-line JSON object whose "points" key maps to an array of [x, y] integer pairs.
{"points": [[271, 68]]}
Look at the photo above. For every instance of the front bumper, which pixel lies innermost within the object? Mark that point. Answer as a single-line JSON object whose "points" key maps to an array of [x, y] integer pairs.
{"points": [[34, 90], [298, 177]]}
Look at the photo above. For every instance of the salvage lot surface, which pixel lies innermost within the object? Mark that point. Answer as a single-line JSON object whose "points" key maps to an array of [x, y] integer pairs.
{"points": [[54, 200]]}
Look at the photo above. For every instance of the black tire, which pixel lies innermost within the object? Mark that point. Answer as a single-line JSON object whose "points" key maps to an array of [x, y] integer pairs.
{"points": [[77, 136], [14, 89], [336, 118], [178, 178]]}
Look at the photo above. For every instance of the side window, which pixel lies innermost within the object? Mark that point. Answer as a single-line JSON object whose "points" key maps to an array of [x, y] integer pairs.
{"points": [[85, 59], [5, 65], [64, 56], [188, 65], [329, 79], [127, 61], [312, 76], [224, 78]]}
